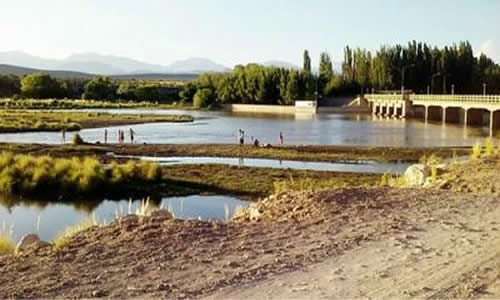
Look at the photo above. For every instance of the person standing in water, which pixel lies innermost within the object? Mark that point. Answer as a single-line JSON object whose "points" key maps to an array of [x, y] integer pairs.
{"points": [[105, 136], [242, 137], [63, 132], [132, 133], [281, 138]]}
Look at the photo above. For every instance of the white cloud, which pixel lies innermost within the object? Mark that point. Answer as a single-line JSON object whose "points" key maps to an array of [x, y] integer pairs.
{"points": [[492, 49]]}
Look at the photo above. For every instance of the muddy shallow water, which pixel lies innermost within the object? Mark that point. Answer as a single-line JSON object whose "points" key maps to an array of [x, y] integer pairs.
{"points": [[48, 219], [354, 166], [320, 129]]}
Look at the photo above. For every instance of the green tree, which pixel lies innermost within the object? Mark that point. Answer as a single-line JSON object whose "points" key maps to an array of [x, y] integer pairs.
{"points": [[325, 66], [187, 93], [100, 88], [40, 86], [204, 98], [147, 93], [126, 91], [307, 62], [292, 89], [325, 70], [10, 85]]}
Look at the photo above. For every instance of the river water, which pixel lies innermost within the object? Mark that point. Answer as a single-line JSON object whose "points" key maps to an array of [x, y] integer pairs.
{"points": [[48, 219], [320, 129], [355, 167]]}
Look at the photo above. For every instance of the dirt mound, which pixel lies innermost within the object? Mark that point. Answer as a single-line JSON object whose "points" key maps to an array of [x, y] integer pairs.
{"points": [[307, 205], [480, 176]]}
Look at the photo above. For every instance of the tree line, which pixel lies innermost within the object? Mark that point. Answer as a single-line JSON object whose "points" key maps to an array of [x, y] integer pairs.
{"points": [[426, 69], [44, 86]]}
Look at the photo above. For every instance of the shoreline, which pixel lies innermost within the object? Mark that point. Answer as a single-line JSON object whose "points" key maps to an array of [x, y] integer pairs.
{"points": [[370, 235], [310, 153]]}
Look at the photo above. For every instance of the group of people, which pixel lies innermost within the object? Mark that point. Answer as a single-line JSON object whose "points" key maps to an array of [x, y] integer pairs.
{"points": [[121, 136], [255, 142]]}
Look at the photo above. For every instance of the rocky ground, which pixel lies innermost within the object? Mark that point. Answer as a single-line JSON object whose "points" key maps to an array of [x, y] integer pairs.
{"points": [[344, 243]]}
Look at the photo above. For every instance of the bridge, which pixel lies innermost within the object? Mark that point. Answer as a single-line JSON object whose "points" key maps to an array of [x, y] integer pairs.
{"points": [[464, 109]]}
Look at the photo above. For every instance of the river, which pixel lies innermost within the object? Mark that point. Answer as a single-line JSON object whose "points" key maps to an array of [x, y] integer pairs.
{"points": [[320, 129]]}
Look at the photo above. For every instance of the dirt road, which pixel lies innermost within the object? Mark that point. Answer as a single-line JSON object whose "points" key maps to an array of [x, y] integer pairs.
{"points": [[455, 253]]}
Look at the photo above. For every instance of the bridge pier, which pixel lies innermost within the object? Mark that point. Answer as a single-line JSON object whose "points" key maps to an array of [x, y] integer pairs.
{"points": [[394, 111], [494, 121]]}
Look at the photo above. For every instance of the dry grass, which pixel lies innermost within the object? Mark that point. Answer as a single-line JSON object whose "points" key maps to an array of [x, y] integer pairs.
{"points": [[64, 238], [7, 243]]}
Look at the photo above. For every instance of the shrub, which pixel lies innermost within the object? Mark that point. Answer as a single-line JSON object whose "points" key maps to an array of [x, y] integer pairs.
{"points": [[27, 174], [490, 147], [476, 151]]}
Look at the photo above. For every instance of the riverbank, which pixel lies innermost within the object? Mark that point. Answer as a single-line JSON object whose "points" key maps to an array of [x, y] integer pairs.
{"points": [[297, 153], [55, 104], [12, 121], [348, 242]]}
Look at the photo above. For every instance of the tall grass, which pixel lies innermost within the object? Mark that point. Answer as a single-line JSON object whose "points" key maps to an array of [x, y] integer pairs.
{"points": [[476, 151], [64, 237], [28, 174], [489, 148], [7, 243]]}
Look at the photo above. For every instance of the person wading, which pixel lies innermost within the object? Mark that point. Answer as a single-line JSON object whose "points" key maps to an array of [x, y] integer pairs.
{"points": [[242, 137], [63, 132], [132, 133]]}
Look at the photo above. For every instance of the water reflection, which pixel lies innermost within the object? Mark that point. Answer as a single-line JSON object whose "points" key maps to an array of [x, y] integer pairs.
{"points": [[355, 166], [49, 218], [326, 129]]}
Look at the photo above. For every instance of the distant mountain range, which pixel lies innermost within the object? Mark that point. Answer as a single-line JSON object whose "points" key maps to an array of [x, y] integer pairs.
{"points": [[20, 71], [93, 63]]}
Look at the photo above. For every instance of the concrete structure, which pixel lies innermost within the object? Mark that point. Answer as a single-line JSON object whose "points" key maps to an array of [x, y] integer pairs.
{"points": [[300, 107], [465, 109]]}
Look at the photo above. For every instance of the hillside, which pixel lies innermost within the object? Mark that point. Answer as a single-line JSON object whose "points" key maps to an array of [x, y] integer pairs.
{"points": [[20, 71]]}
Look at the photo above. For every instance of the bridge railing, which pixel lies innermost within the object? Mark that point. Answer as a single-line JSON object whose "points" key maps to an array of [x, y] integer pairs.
{"points": [[380, 97], [457, 98]]}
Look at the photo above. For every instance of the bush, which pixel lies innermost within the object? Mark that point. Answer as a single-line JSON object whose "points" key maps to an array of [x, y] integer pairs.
{"points": [[27, 174], [78, 140], [476, 151], [490, 147]]}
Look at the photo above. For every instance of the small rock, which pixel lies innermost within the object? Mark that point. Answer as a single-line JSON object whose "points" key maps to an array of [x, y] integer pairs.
{"points": [[233, 264], [97, 294], [416, 175]]}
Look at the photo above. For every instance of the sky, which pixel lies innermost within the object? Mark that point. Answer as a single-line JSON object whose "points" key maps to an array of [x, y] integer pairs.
{"points": [[240, 31]]}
